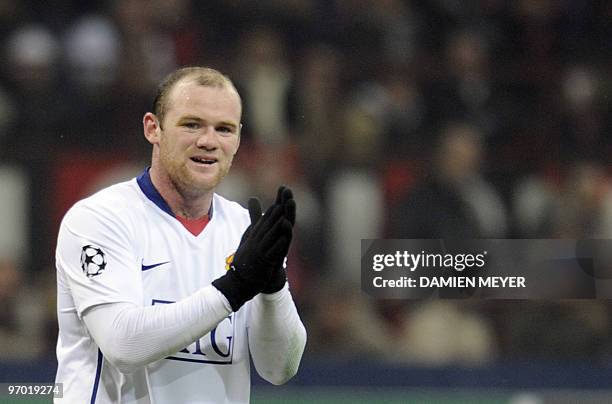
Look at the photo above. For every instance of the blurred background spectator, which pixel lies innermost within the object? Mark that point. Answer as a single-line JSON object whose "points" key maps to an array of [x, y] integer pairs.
{"points": [[394, 118]]}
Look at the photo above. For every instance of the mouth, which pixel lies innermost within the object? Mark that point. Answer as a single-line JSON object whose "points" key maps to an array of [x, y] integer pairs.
{"points": [[204, 160]]}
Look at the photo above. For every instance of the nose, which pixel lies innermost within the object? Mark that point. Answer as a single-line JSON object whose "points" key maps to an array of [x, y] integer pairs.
{"points": [[207, 138]]}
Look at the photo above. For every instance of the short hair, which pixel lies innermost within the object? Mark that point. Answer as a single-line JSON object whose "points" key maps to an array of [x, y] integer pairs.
{"points": [[204, 76]]}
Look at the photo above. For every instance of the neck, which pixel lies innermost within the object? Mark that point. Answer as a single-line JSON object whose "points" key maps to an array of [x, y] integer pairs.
{"points": [[189, 205]]}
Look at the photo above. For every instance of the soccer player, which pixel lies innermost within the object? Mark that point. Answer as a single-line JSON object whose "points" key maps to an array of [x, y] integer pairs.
{"points": [[165, 288]]}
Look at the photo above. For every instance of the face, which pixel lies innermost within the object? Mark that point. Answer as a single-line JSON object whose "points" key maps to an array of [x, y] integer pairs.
{"points": [[194, 146]]}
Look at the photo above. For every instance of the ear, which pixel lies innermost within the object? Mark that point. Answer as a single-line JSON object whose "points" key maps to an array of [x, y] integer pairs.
{"points": [[151, 128], [239, 136]]}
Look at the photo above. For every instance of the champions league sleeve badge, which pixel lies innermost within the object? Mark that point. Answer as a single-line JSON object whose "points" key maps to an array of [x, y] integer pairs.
{"points": [[93, 260]]}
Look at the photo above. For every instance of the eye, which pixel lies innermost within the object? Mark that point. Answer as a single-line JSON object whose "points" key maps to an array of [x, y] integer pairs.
{"points": [[226, 130], [191, 125]]}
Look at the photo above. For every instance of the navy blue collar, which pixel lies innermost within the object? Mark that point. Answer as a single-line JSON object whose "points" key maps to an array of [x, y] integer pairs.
{"points": [[147, 187]]}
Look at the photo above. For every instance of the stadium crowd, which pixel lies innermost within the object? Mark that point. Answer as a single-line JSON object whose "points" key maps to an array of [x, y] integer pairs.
{"points": [[388, 118]]}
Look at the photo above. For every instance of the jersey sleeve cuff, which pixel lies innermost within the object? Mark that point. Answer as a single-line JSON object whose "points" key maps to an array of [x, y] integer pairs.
{"points": [[221, 297], [272, 297]]}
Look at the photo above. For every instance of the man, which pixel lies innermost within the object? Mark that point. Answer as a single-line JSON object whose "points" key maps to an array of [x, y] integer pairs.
{"points": [[164, 288]]}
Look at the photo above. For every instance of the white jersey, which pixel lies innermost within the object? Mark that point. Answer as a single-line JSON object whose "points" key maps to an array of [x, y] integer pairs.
{"points": [[123, 244]]}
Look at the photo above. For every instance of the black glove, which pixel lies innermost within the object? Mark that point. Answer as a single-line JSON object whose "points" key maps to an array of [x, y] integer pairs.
{"points": [[284, 198], [263, 244]]}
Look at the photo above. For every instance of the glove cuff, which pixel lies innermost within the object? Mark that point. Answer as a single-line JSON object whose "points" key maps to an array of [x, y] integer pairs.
{"points": [[277, 282], [236, 290]]}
